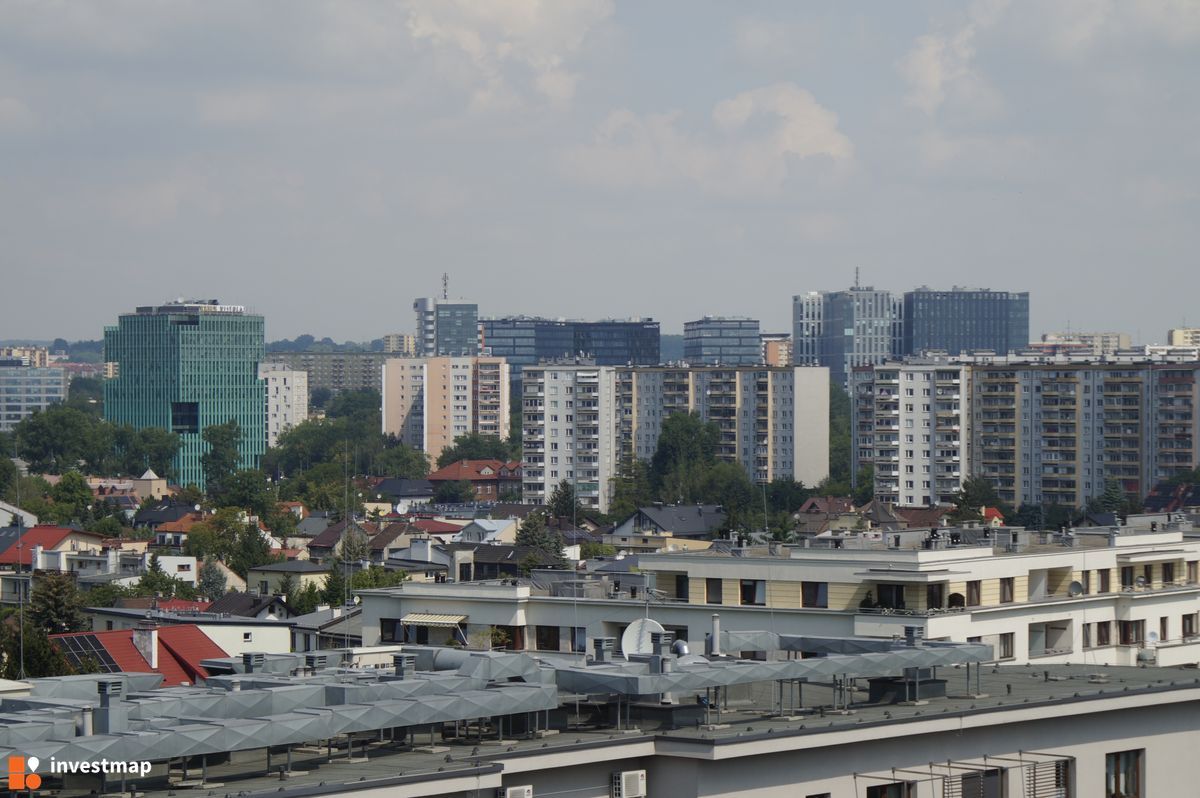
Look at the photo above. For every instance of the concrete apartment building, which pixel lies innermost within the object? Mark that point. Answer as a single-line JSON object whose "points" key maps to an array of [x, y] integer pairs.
{"points": [[722, 341], [336, 371], [287, 399], [1184, 336], [400, 344], [1095, 344], [773, 422], [428, 402], [35, 356], [776, 349], [1048, 431], [26, 389]]}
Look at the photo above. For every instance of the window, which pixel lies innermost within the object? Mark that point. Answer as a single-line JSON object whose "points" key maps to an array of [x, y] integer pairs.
{"points": [[1105, 580], [973, 593], [1126, 577], [1104, 633], [713, 591], [1131, 633], [1189, 625], [1164, 629], [1087, 635], [1085, 579], [1168, 570], [247, 637], [754, 592], [897, 789], [1123, 774], [1006, 590], [1193, 572], [814, 594], [1006, 646], [681, 587]]}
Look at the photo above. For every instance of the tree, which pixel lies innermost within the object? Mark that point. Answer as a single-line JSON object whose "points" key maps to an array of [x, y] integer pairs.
{"points": [[8, 474], [400, 461], [306, 599], [71, 497], [55, 605], [631, 487], [353, 546], [839, 436], [319, 397], [456, 492], [589, 550], [1111, 501], [41, 658], [287, 588], [60, 438], [212, 580], [221, 459], [563, 503], [976, 493], [250, 550], [359, 403], [335, 592], [474, 446], [105, 595], [249, 490], [156, 582], [533, 533], [686, 445], [86, 394], [135, 450]]}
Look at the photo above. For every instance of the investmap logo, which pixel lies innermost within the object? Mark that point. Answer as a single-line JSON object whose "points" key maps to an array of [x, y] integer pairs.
{"points": [[22, 773]]}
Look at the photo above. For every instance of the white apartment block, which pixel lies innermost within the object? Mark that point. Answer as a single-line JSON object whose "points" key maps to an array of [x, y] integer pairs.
{"points": [[773, 421], [428, 402], [1096, 344], [569, 417], [1184, 336], [287, 398], [911, 421]]}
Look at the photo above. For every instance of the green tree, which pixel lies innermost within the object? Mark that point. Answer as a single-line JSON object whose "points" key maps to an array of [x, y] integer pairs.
{"points": [[631, 488], [221, 459], [354, 545], [135, 450], [363, 403], [563, 503], [589, 550], [686, 446], [306, 599], [534, 533], [376, 576], [71, 497], [105, 595], [319, 397], [250, 550], [400, 461], [249, 490], [60, 438], [212, 580], [1111, 501], [215, 537], [40, 656], [86, 394], [55, 605], [976, 493], [456, 492], [8, 474], [474, 446], [287, 588], [336, 589], [839, 437], [156, 582]]}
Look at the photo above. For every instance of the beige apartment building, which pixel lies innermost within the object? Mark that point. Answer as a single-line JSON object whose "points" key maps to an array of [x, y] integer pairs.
{"points": [[1184, 336], [428, 402]]}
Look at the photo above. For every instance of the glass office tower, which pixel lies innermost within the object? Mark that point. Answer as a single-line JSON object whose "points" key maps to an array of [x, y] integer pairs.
{"points": [[185, 366]]}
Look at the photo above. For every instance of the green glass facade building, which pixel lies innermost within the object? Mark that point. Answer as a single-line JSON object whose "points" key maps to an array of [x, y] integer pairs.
{"points": [[185, 366]]}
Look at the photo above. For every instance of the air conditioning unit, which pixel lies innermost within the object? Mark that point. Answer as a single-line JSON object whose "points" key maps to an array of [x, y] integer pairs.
{"points": [[629, 784], [524, 791]]}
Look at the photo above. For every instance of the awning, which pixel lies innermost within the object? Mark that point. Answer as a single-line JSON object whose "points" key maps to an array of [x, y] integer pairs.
{"points": [[1166, 555], [432, 619]]}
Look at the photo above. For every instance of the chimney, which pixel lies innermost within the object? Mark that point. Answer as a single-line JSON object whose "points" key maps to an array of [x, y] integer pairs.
{"points": [[145, 640], [253, 660], [602, 646], [660, 642], [111, 716], [314, 662], [406, 665], [913, 636], [716, 635]]}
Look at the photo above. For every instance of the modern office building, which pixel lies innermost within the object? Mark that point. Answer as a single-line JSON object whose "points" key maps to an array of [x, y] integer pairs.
{"points": [[569, 422], [527, 341], [776, 349], [428, 402], [964, 320], [1043, 431], [1184, 336], [287, 398], [844, 329], [446, 328], [336, 371], [186, 366], [722, 341], [26, 389]]}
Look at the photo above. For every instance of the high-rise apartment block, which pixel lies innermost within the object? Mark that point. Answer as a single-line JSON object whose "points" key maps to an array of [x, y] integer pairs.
{"points": [[428, 402], [965, 320], [37, 356], [336, 371], [776, 349], [287, 399], [722, 341], [569, 418], [772, 421], [26, 389], [400, 344], [186, 366], [1184, 336], [446, 328], [1094, 344], [527, 341], [1042, 431]]}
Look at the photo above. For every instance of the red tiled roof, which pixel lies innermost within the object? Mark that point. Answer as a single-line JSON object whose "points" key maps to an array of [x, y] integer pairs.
{"points": [[48, 537], [922, 516], [990, 513], [435, 527], [472, 471], [184, 524], [180, 651]]}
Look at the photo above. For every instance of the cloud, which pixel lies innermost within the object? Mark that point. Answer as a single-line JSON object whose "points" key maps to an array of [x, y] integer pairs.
{"points": [[942, 63], [756, 140], [536, 37], [762, 41]]}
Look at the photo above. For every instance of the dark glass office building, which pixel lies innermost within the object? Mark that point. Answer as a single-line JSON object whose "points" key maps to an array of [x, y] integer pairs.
{"points": [[965, 319], [722, 341], [526, 341]]}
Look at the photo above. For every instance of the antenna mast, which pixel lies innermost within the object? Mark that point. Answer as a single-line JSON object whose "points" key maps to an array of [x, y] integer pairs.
{"points": [[856, 277], [445, 285]]}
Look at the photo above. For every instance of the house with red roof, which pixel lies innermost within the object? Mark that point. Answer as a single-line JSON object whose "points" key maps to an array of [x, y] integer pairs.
{"points": [[17, 547], [173, 651], [490, 478]]}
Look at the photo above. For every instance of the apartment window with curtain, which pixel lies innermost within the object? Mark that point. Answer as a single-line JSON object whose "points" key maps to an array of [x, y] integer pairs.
{"points": [[713, 593], [1007, 587], [1123, 774], [1104, 633], [1168, 573], [973, 593], [1193, 572], [754, 592], [1105, 580]]}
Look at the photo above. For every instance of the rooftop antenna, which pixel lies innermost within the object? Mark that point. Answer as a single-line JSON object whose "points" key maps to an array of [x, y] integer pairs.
{"points": [[445, 285], [856, 277]]}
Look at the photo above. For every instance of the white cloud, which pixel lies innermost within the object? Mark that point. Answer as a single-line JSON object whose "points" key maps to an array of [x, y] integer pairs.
{"points": [[941, 63], [538, 37], [774, 41], [653, 150]]}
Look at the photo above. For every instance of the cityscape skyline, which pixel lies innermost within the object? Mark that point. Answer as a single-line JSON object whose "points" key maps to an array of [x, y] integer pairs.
{"points": [[560, 160]]}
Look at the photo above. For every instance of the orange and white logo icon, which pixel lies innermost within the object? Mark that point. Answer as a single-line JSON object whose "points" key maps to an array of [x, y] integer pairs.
{"points": [[22, 773]]}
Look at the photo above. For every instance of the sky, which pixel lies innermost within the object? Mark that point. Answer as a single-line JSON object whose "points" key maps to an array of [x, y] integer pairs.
{"points": [[323, 163]]}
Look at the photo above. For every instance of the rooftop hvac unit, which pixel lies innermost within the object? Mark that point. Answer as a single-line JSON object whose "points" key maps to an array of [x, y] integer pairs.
{"points": [[524, 791], [629, 784]]}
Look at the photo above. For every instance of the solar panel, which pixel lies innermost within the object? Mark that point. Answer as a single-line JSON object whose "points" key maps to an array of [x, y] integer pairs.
{"points": [[84, 650]]}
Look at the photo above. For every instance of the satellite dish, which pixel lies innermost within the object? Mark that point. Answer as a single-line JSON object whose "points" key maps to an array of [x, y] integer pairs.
{"points": [[1075, 589], [636, 639], [1140, 581], [1151, 639]]}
